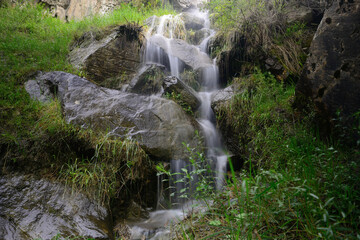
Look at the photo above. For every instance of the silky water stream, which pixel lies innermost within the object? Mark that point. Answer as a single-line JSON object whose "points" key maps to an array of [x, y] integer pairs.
{"points": [[163, 48]]}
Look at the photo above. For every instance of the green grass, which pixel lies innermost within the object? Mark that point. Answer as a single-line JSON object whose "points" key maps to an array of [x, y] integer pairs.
{"points": [[293, 185], [33, 136], [31, 40]]}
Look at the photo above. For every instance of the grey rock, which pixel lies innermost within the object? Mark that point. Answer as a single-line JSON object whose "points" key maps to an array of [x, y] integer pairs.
{"points": [[32, 208], [183, 5], [192, 21], [148, 80], [222, 95], [174, 85], [39, 90], [331, 76], [187, 53], [109, 59], [159, 125], [297, 12]]}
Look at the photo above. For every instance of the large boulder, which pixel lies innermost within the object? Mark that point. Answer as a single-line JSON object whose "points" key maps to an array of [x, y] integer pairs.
{"points": [[192, 21], [33, 209], [159, 125], [331, 76], [109, 58]]}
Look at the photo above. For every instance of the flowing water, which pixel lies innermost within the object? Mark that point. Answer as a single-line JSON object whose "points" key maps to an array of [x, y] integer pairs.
{"points": [[166, 30]]}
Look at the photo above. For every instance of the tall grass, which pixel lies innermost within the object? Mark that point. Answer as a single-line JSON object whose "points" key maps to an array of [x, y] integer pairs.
{"points": [[293, 185], [261, 30]]}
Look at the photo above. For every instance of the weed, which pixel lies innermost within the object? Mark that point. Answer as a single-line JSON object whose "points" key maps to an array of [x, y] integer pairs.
{"points": [[293, 186], [178, 99]]}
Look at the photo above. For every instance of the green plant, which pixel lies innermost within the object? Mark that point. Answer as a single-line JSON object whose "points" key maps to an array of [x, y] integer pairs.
{"points": [[293, 185], [178, 99], [114, 164]]}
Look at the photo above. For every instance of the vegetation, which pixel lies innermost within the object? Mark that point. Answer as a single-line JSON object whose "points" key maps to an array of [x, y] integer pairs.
{"points": [[260, 28], [32, 40], [293, 185], [178, 99]]}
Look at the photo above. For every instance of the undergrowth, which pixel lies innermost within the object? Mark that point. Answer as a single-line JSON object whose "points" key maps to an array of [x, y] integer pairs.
{"points": [[32, 40], [34, 137], [293, 185], [259, 29]]}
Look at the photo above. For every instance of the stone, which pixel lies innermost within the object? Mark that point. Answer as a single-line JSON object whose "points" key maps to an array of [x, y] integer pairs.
{"points": [[188, 95], [331, 76], [39, 91], [220, 96], [187, 53], [296, 12], [33, 209], [159, 125], [181, 5], [192, 21], [148, 80], [111, 61]]}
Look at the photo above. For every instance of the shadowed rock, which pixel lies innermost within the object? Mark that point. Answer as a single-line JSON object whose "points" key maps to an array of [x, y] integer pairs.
{"points": [[331, 76], [149, 80], [159, 125], [174, 85], [109, 59], [33, 209]]}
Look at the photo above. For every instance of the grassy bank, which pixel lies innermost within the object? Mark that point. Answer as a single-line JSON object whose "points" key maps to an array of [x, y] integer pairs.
{"points": [[293, 185], [32, 40], [33, 136]]}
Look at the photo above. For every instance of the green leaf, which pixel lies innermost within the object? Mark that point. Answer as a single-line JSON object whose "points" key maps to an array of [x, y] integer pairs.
{"points": [[215, 222]]}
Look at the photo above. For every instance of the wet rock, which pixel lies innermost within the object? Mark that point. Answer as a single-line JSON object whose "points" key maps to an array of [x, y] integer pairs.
{"points": [[191, 78], [221, 96], [159, 125], [331, 76], [169, 26], [32, 209], [192, 21], [187, 53], [149, 80], [230, 62], [181, 5], [219, 99], [174, 85], [110, 60], [197, 37]]}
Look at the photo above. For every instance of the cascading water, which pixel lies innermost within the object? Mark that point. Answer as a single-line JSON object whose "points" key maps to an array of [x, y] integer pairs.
{"points": [[166, 28]]}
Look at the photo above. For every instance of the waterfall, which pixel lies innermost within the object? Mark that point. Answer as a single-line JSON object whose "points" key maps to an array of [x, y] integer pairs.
{"points": [[165, 29]]}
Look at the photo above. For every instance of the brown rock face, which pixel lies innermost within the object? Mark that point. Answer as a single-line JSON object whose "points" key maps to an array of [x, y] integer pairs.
{"points": [[78, 9], [112, 61], [331, 77]]}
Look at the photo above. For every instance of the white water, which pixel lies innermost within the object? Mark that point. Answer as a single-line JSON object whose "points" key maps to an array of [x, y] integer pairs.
{"points": [[155, 226]]}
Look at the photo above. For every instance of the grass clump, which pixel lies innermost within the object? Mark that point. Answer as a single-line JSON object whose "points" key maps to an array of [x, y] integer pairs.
{"points": [[293, 185], [259, 29]]}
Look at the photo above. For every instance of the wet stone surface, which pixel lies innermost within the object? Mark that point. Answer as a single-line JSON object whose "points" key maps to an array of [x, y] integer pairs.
{"points": [[31, 208]]}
